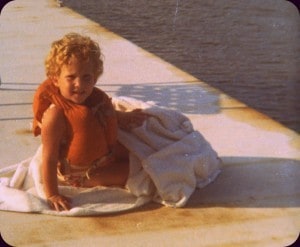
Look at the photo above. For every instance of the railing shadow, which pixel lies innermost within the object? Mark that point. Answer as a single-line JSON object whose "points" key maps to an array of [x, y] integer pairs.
{"points": [[15, 91], [18, 86]]}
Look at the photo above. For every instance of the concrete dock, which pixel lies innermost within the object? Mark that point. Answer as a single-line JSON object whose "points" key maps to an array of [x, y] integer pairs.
{"points": [[254, 202]]}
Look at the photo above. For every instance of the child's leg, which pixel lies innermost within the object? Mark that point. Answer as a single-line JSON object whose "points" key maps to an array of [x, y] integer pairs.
{"points": [[115, 174]]}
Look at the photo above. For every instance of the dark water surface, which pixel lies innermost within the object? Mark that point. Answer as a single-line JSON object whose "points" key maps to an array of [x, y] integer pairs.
{"points": [[248, 49]]}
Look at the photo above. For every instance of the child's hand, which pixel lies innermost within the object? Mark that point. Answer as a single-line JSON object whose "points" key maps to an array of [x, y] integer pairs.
{"points": [[59, 202], [131, 120]]}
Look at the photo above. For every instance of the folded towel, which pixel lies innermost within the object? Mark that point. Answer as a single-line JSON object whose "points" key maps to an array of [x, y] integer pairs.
{"points": [[168, 161]]}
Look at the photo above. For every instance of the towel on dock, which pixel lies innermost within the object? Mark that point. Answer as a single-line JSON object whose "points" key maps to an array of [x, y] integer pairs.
{"points": [[168, 161]]}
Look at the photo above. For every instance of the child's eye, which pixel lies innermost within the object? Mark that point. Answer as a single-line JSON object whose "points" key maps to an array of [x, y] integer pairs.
{"points": [[87, 78], [70, 77]]}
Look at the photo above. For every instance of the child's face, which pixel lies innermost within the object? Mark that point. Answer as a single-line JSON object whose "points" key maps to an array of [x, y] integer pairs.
{"points": [[76, 81]]}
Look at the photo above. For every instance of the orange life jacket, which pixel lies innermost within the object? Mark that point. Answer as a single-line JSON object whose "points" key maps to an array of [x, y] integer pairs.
{"points": [[91, 127]]}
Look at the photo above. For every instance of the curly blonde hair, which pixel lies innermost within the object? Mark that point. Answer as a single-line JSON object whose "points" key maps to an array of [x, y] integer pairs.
{"points": [[70, 46]]}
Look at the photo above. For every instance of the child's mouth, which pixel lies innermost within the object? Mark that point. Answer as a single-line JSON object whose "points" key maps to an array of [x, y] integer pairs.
{"points": [[78, 93]]}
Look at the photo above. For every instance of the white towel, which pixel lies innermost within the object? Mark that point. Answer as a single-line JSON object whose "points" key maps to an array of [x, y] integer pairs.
{"points": [[168, 161]]}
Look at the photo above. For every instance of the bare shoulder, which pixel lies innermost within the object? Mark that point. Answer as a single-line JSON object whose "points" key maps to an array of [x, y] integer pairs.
{"points": [[53, 115], [53, 121]]}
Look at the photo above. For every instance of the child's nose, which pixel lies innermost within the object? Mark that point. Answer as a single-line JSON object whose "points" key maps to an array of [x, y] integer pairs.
{"points": [[78, 82]]}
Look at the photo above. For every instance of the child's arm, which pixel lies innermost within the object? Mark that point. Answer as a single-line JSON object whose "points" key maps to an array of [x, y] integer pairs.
{"points": [[53, 129]]}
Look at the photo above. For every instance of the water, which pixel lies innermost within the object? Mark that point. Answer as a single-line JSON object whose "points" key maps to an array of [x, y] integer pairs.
{"points": [[248, 49]]}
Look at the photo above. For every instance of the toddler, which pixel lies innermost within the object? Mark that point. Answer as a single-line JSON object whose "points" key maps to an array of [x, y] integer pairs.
{"points": [[77, 122]]}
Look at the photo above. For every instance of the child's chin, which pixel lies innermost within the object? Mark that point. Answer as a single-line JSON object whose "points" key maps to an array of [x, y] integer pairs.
{"points": [[78, 101]]}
